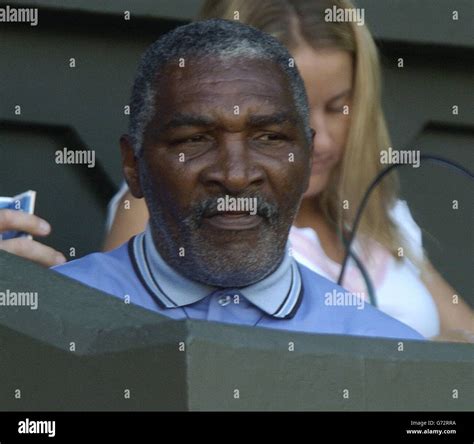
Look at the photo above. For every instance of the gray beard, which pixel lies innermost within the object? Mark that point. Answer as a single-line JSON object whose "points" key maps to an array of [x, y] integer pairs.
{"points": [[232, 266]]}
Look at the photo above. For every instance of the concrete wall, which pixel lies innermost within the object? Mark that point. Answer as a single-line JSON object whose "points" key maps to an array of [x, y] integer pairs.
{"points": [[80, 350]]}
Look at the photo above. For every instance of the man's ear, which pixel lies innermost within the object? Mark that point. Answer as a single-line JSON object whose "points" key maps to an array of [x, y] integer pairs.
{"points": [[130, 166]]}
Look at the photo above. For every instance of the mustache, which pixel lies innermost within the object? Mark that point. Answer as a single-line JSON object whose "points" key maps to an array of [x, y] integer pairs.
{"points": [[209, 207]]}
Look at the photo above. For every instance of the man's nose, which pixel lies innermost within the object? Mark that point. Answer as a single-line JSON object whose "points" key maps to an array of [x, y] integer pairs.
{"points": [[235, 169]]}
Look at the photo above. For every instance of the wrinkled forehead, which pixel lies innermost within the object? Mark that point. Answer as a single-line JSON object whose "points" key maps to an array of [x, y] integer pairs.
{"points": [[226, 79]]}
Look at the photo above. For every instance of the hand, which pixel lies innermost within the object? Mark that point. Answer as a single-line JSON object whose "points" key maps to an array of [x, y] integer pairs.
{"points": [[24, 247]]}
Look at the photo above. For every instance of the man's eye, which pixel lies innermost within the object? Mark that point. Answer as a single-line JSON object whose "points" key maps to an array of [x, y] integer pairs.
{"points": [[193, 139], [197, 138], [271, 137]]}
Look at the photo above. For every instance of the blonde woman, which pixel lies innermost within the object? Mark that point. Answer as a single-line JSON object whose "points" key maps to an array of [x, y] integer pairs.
{"points": [[339, 65]]}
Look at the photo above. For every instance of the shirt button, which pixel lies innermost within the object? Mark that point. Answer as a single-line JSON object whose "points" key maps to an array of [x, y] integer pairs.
{"points": [[224, 300]]}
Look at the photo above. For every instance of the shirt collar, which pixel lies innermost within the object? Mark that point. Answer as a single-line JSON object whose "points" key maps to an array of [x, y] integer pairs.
{"points": [[278, 295]]}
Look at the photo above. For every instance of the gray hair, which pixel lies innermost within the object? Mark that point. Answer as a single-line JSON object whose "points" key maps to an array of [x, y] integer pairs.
{"points": [[220, 38]]}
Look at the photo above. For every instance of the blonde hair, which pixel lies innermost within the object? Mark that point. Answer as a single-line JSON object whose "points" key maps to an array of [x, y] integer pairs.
{"points": [[297, 22]]}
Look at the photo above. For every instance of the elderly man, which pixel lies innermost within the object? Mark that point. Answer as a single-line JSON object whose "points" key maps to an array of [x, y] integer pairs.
{"points": [[220, 147]]}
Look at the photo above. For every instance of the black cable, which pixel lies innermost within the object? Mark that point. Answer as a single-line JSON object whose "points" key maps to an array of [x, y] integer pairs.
{"points": [[375, 182], [363, 271]]}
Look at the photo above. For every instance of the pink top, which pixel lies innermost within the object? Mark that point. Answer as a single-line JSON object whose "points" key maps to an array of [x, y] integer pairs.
{"points": [[399, 290], [306, 242]]}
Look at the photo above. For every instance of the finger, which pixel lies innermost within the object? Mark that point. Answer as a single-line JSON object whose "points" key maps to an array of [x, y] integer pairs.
{"points": [[34, 251], [21, 221]]}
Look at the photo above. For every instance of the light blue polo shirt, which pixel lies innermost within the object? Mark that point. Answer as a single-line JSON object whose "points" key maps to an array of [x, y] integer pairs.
{"points": [[291, 298]]}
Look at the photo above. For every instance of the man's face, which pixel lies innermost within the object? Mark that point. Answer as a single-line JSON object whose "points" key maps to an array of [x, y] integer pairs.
{"points": [[222, 129]]}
